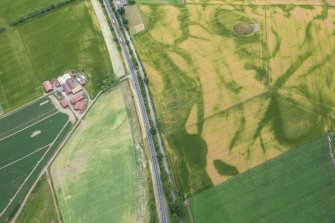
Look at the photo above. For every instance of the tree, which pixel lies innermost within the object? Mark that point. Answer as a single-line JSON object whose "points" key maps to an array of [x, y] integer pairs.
{"points": [[146, 80], [121, 11], [153, 131], [131, 2], [125, 21]]}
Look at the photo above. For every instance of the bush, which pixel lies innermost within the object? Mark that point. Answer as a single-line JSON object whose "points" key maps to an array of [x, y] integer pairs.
{"points": [[153, 131]]}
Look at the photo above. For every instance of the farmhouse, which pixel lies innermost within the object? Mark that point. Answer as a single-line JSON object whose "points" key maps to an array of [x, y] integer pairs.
{"points": [[47, 86], [69, 83]]}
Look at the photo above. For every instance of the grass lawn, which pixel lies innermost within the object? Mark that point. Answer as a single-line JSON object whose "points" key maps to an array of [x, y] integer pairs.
{"points": [[297, 186], [48, 46], [95, 174], [40, 206]]}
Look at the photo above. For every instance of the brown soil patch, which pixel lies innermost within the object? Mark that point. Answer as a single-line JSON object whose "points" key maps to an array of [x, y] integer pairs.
{"points": [[243, 28], [35, 133]]}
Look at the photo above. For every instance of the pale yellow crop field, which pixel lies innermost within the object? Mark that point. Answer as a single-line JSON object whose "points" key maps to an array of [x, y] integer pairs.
{"points": [[228, 102]]}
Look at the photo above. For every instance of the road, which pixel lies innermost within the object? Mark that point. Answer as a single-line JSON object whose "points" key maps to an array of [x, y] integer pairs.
{"points": [[151, 111], [162, 207]]}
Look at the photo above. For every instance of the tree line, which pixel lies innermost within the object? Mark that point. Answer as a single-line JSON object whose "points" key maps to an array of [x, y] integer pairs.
{"points": [[39, 12]]}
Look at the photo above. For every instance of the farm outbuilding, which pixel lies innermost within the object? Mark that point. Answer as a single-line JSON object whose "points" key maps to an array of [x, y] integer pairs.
{"points": [[66, 88], [64, 103], [47, 86], [79, 106], [76, 89], [77, 98]]}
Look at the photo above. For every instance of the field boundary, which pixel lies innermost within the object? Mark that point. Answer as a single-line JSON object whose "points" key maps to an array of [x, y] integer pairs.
{"points": [[55, 201]]}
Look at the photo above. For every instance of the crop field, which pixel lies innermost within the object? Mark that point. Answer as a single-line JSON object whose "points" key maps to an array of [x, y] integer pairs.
{"points": [[40, 206], [295, 187], [47, 46], [237, 85], [95, 174], [28, 139]]}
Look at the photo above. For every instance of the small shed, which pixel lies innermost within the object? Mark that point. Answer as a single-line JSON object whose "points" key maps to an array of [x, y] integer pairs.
{"points": [[64, 103], [76, 89], [47, 86]]}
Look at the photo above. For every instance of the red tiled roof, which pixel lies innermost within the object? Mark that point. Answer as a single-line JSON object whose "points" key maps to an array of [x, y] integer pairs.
{"points": [[77, 98], [64, 103], [80, 105], [47, 86]]}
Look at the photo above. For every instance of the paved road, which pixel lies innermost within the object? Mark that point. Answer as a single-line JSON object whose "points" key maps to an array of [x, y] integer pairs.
{"points": [[162, 207], [151, 111]]}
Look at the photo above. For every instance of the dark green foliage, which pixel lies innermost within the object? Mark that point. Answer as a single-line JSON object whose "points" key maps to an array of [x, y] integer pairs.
{"points": [[153, 131], [121, 11], [225, 169], [108, 83]]}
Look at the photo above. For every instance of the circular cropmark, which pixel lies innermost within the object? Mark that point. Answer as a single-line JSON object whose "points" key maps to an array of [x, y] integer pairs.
{"points": [[243, 28]]}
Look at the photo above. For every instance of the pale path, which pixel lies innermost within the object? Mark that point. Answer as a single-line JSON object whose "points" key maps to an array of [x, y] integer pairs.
{"points": [[15, 161], [108, 37]]}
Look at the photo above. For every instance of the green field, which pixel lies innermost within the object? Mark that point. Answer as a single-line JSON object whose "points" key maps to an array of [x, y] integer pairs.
{"points": [[228, 102], [23, 154], [19, 8], [95, 174], [40, 206], [50, 45], [295, 187]]}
